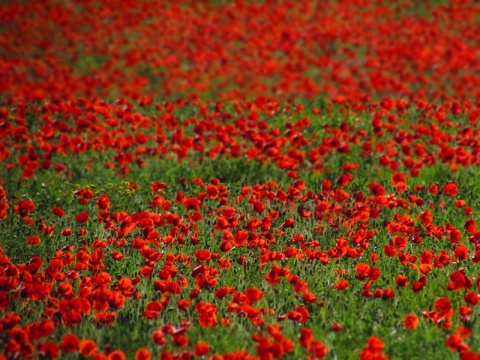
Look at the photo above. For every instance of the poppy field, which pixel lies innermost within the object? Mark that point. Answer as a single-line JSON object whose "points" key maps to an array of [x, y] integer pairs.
{"points": [[239, 180]]}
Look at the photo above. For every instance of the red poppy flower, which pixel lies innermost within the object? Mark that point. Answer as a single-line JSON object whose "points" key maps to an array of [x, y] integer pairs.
{"points": [[318, 349], [224, 291], [410, 322], [388, 294], [398, 178], [459, 281], [336, 327], [201, 349], [376, 189], [82, 217], [58, 211], [240, 238], [116, 255], [470, 226], [143, 354], [471, 299], [460, 253], [103, 202], [442, 306], [158, 337], [66, 232], [158, 186], [341, 284], [375, 344], [224, 263], [33, 240], [116, 355], [24, 207], [203, 255], [87, 347], [152, 310], [70, 343], [4, 206], [207, 314], [253, 295], [84, 195], [50, 349], [299, 314], [455, 343], [450, 189], [289, 223], [306, 337], [192, 203]]}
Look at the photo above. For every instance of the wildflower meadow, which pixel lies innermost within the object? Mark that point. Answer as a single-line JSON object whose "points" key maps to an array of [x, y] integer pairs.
{"points": [[234, 180]]}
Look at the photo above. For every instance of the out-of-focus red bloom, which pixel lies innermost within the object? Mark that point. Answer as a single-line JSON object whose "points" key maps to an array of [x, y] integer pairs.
{"points": [[87, 347], [24, 207], [455, 343], [82, 217], [158, 337], [306, 337], [336, 327], [158, 186], [203, 255], [103, 202], [450, 189], [153, 309], [442, 306], [341, 284], [66, 232], [362, 270], [58, 211], [224, 291], [318, 350], [201, 349], [4, 206], [192, 203], [143, 354], [116, 255], [224, 263], [398, 178], [471, 299], [116, 355], [460, 253], [180, 340], [84, 195], [33, 240], [207, 314], [299, 314], [426, 217], [344, 179], [253, 295], [50, 349], [433, 189], [410, 322], [376, 189], [470, 226], [314, 347], [70, 343], [289, 223], [373, 350], [459, 281]]}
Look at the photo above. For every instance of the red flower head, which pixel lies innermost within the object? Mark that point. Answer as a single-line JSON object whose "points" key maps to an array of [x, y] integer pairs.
{"points": [[450, 189]]}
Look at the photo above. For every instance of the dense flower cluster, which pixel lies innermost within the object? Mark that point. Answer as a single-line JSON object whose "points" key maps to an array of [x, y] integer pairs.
{"points": [[354, 48], [239, 179], [184, 244]]}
